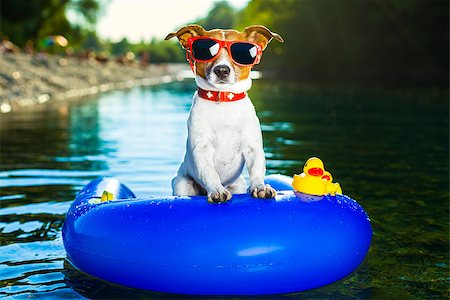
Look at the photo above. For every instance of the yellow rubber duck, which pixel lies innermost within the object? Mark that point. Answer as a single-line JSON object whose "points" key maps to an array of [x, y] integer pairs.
{"points": [[315, 180], [310, 181], [332, 188]]}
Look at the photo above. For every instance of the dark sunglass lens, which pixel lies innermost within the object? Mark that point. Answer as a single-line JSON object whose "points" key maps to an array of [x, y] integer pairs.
{"points": [[244, 53], [205, 49]]}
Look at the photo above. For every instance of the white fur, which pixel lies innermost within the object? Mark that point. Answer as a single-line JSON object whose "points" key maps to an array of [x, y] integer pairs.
{"points": [[238, 87], [222, 137]]}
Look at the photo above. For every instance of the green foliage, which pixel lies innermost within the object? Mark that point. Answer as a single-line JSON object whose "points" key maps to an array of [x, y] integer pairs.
{"points": [[352, 40], [120, 48], [222, 15], [163, 52], [87, 9], [34, 20], [160, 51], [23, 20], [92, 42]]}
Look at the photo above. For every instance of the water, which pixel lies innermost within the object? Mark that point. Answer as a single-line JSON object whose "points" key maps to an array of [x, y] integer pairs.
{"points": [[388, 149]]}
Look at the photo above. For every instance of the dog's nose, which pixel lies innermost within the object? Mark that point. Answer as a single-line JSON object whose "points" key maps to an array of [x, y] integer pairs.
{"points": [[222, 71]]}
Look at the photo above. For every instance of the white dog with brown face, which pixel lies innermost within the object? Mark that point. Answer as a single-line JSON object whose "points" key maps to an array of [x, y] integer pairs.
{"points": [[223, 129]]}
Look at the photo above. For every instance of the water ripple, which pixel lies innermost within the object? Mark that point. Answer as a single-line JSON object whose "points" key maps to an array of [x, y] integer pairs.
{"points": [[12, 197], [51, 208], [49, 173], [41, 181]]}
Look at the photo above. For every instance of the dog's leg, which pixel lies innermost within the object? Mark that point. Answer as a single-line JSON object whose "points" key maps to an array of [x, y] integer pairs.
{"points": [[256, 164], [207, 176], [238, 187], [184, 186]]}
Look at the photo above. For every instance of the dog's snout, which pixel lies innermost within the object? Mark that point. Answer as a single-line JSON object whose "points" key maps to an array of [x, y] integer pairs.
{"points": [[222, 71]]}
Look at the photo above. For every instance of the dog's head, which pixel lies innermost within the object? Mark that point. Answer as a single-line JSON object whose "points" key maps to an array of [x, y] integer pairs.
{"points": [[221, 57]]}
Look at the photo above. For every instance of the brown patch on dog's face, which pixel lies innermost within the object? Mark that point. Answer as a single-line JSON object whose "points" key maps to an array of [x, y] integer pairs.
{"points": [[257, 34]]}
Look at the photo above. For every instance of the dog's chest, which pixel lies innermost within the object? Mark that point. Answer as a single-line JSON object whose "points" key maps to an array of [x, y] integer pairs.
{"points": [[222, 131], [226, 124]]}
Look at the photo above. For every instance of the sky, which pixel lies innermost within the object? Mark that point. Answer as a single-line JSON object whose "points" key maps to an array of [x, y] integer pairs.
{"points": [[145, 19]]}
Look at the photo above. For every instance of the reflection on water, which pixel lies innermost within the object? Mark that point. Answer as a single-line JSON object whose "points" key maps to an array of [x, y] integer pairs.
{"points": [[389, 150]]}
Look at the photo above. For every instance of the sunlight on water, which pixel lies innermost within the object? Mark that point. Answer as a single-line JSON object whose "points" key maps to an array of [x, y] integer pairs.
{"points": [[376, 144], [136, 136]]}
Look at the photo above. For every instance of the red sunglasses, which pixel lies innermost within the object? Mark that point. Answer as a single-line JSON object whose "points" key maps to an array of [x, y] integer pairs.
{"points": [[204, 49]]}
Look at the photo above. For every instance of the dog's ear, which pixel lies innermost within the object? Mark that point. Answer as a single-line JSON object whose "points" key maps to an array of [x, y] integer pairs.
{"points": [[261, 35], [184, 33]]}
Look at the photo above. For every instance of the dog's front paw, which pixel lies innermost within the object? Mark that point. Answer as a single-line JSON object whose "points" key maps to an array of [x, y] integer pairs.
{"points": [[263, 191], [220, 196]]}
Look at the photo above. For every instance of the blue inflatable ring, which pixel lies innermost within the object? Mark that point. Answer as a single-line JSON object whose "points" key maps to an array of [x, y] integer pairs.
{"points": [[246, 246]]}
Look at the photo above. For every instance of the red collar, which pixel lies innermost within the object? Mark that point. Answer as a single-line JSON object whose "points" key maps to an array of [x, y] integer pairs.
{"points": [[220, 96]]}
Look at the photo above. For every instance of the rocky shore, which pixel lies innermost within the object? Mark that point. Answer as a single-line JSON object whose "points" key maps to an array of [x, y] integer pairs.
{"points": [[28, 81]]}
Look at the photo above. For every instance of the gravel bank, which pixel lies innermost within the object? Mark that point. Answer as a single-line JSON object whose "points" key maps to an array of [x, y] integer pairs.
{"points": [[27, 81]]}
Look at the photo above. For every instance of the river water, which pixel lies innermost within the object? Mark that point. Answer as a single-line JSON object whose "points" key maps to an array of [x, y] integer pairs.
{"points": [[388, 149]]}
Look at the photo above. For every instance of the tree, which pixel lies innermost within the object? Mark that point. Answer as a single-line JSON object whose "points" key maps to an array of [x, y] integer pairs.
{"points": [[351, 40], [222, 15], [120, 48], [92, 42], [23, 20]]}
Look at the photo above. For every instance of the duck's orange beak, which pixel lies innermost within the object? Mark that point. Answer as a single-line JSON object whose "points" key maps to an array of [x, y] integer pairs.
{"points": [[315, 172]]}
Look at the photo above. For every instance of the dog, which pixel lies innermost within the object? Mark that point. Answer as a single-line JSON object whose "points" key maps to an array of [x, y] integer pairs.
{"points": [[223, 130]]}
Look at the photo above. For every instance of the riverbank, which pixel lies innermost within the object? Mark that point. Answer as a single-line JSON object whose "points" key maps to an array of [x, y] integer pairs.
{"points": [[29, 81]]}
